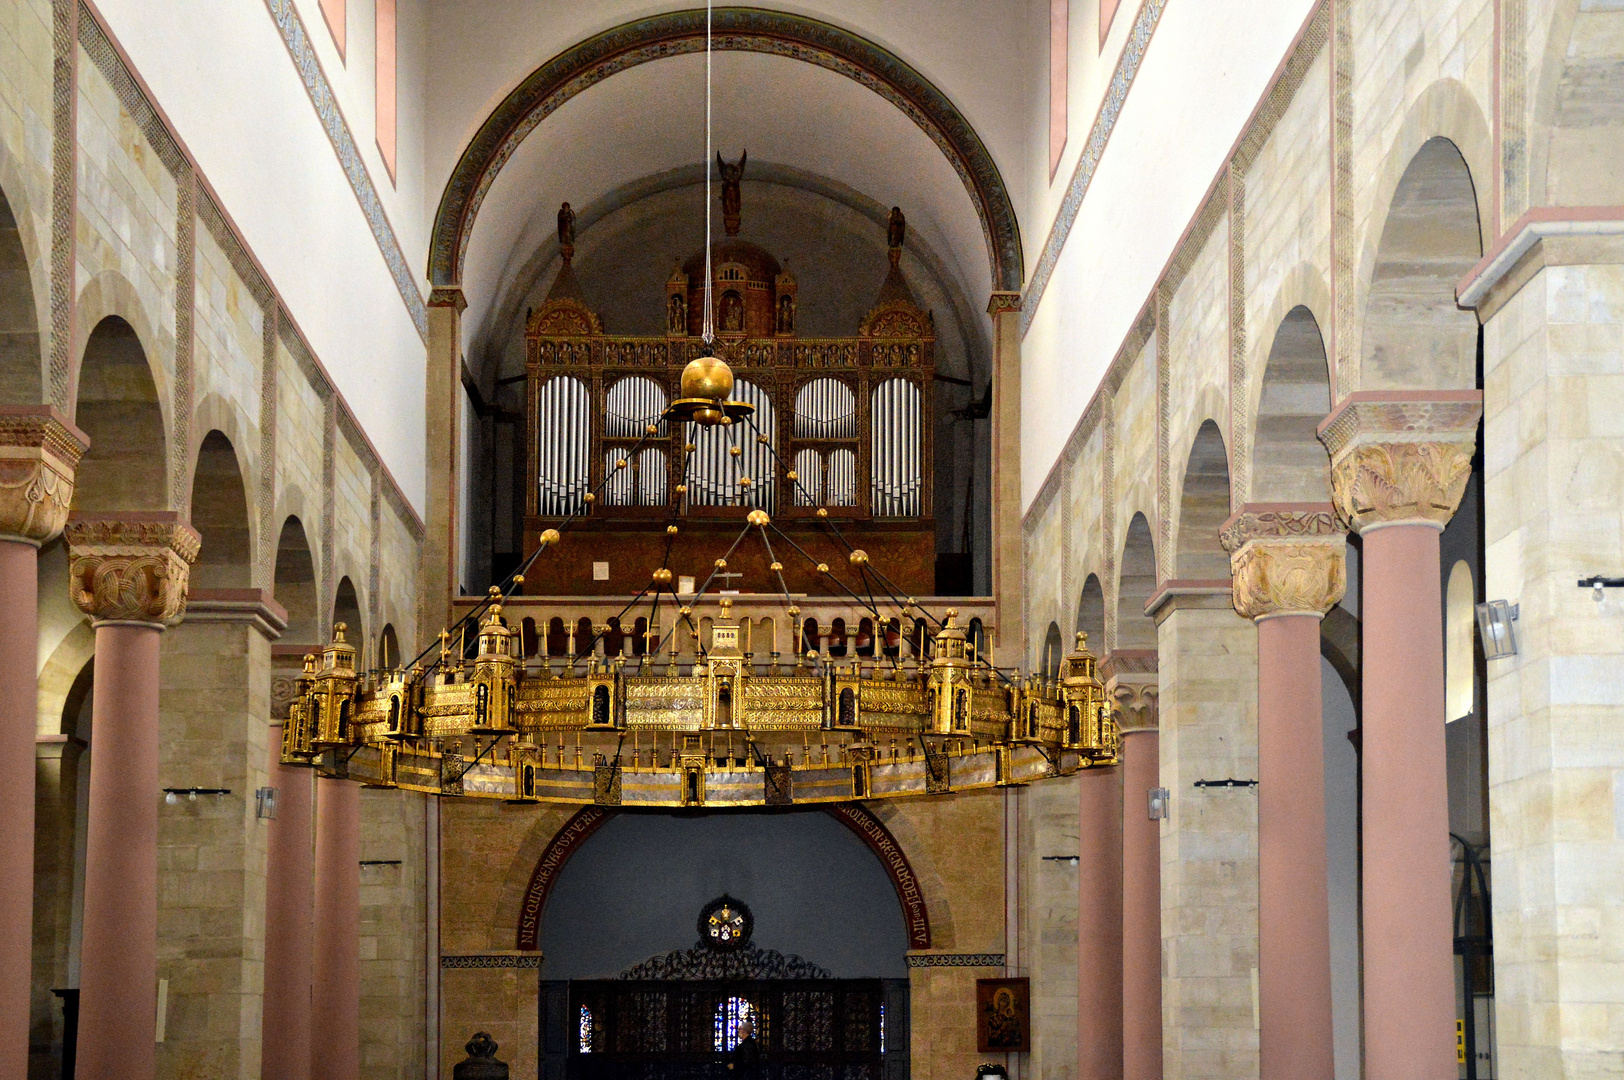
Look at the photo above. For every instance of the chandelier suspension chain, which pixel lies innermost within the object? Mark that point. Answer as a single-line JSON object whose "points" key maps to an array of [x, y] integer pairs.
{"points": [[709, 332]]}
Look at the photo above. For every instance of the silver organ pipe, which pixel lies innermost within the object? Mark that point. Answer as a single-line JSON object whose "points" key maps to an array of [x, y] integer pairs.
{"points": [[896, 487], [629, 406], [564, 442], [825, 409], [715, 471], [842, 486], [809, 470]]}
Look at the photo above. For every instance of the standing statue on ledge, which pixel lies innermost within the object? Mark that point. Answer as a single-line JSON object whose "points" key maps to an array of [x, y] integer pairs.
{"points": [[896, 230], [566, 232], [731, 175]]}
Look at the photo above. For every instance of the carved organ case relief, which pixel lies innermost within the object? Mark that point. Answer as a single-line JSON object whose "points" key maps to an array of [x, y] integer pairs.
{"points": [[842, 425]]}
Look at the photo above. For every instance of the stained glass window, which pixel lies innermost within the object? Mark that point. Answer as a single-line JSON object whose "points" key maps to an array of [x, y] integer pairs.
{"points": [[586, 1030], [729, 1015]]}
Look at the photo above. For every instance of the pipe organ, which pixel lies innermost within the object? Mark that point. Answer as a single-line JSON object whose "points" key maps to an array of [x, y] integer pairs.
{"points": [[841, 430]]}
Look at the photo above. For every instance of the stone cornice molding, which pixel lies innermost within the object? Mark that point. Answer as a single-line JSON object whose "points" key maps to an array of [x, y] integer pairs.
{"points": [[39, 458], [1188, 594], [1539, 224], [256, 607], [1286, 558], [1401, 457], [448, 296], [132, 567]]}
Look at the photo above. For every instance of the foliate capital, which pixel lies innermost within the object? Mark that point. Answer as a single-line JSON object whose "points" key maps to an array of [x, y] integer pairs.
{"points": [[1401, 458], [39, 456], [1285, 559], [131, 567]]}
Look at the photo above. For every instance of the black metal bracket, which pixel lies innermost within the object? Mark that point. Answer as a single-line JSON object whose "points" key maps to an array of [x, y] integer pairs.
{"points": [[380, 862], [1225, 783], [196, 790]]}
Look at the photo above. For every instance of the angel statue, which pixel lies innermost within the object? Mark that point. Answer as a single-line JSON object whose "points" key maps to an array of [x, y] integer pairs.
{"points": [[566, 231], [731, 175]]}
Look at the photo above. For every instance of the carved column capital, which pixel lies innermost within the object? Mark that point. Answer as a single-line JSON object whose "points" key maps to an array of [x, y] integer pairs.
{"points": [[1286, 559], [131, 568], [1132, 687], [39, 456], [1001, 303], [447, 296], [1401, 458]]}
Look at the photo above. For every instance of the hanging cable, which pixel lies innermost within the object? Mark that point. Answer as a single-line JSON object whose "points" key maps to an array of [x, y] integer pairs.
{"points": [[709, 332]]}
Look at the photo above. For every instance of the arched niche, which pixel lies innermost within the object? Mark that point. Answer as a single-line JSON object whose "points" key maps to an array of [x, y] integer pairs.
{"points": [[347, 610], [1091, 613], [817, 886], [294, 585], [1137, 581], [220, 515], [126, 467], [1415, 337], [1054, 650], [1289, 463], [389, 648], [20, 359], [1203, 506]]}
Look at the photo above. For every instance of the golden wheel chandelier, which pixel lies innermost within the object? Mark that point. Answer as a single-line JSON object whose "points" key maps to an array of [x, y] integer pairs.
{"points": [[710, 729]]}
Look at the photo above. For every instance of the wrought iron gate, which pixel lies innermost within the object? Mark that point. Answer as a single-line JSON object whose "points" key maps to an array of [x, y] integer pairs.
{"points": [[812, 1029]]}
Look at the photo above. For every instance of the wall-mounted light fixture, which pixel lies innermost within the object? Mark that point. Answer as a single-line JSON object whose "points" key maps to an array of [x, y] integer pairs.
{"points": [[1158, 803], [172, 794], [1597, 583], [1494, 621], [265, 803]]}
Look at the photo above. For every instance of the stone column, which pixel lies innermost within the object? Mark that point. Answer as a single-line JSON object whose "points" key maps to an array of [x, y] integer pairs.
{"points": [[39, 452], [1207, 686], [1099, 924], [289, 910], [215, 693], [442, 437], [1134, 694], [1007, 542], [1288, 571], [128, 572], [336, 1003], [1399, 465]]}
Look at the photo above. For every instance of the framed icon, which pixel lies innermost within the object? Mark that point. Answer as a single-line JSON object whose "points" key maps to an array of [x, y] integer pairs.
{"points": [[1003, 1016]]}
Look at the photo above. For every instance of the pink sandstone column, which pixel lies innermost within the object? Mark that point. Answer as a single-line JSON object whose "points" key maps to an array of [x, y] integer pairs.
{"points": [[336, 1035], [39, 454], [1400, 462], [1294, 932], [289, 910], [1408, 922], [128, 572], [1099, 925], [19, 631], [1288, 570], [1141, 908], [118, 985]]}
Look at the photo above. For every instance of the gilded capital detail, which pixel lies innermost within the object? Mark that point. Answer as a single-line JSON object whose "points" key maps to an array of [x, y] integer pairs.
{"points": [[131, 568], [1401, 460], [39, 456], [1286, 559]]}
